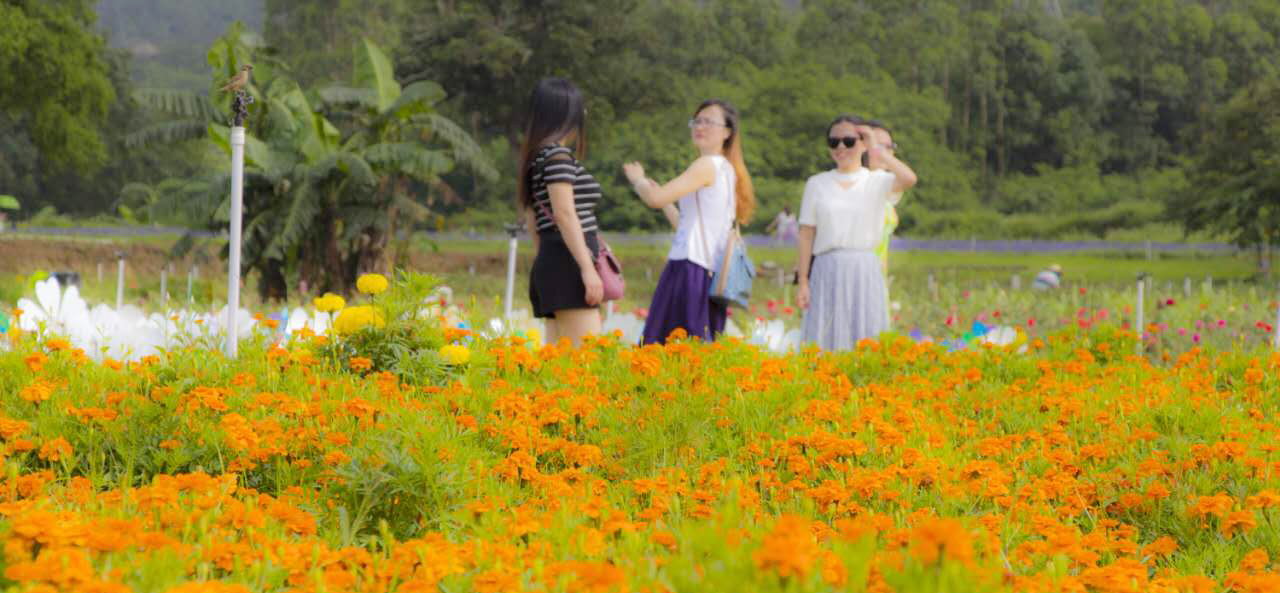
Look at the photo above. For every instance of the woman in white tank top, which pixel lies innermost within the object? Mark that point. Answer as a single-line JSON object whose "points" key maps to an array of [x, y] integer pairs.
{"points": [[712, 193]]}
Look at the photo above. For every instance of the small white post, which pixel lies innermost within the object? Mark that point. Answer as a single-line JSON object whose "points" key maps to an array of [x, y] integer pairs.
{"points": [[512, 246], [471, 270], [233, 259], [1186, 287], [1015, 283], [164, 287], [120, 281], [1276, 339], [99, 273], [191, 277], [1141, 322]]}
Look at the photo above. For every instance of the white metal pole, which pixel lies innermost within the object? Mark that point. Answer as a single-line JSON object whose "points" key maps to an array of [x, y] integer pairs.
{"points": [[233, 259], [120, 283], [164, 288], [191, 277], [1141, 324], [512, 246], [1277, 326]]}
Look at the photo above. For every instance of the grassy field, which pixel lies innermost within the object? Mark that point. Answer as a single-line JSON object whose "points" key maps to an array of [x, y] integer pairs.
{"points": [[476, 270]]}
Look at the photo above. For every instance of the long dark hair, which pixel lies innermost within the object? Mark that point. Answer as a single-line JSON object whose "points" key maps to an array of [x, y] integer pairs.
{"points": [[845, 118], [743, 190], [556, 109]]}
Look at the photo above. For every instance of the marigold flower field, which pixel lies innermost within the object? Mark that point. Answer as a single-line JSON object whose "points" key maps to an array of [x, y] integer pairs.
{"points": [[692, 467]]}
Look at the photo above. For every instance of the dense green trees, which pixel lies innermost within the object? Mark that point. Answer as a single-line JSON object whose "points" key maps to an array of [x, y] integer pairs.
{"points": [[1024, 118]]}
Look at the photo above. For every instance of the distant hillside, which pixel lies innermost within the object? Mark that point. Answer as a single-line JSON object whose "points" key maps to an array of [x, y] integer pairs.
{"points": [[169, 38]]}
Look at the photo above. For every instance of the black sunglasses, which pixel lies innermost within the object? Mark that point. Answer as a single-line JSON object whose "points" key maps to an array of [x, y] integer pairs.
{"points": [[848, 141]]}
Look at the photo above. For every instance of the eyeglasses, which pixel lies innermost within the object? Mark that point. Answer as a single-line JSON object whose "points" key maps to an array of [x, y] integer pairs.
{"points": [[848, 141], [702, 122]]}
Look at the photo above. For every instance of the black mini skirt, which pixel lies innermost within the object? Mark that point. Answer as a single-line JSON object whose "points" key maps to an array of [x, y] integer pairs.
{"points": [[555, 282]]}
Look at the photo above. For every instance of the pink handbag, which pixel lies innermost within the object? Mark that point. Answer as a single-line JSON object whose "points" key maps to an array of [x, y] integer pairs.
{"points": [[607, 266], [610, 272]]}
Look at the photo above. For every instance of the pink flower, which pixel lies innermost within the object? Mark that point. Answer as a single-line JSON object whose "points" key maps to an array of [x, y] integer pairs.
{"points": [[1222, 323], [1031, 322], [1182, 331], [1195, 338], [1199, 324], [1169, 302]]}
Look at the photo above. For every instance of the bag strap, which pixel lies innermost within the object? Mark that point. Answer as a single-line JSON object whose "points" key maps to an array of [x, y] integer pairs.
{"points": [[702, 229]]}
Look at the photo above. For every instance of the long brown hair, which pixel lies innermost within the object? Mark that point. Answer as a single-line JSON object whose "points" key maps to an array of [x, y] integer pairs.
{"points": [[745, 193], [556, 109]]}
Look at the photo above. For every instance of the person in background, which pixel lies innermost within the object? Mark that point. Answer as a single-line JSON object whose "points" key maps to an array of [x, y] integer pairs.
{"points": [[558, 199], [1048, 279], [841, 224], [783, 227], [713, 193], [885, 138]]}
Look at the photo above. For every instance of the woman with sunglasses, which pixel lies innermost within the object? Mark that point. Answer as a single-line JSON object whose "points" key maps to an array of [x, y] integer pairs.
{"points": [[558, 199], [841, 223], [713, 193]]}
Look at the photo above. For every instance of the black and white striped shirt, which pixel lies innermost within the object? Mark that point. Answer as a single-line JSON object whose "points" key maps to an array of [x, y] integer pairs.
{"points": [[551, 166]]}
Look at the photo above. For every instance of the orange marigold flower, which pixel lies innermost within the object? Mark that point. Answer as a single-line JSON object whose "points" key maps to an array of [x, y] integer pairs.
{"points": [[38, 391], [1217, 505], [1264, 500], [57, 345], [360, 363], [36, 361], [936, 539], [1238, 521], [790, 549], [1162, 546], [665, 539], [1255, 561], [55, 450]]}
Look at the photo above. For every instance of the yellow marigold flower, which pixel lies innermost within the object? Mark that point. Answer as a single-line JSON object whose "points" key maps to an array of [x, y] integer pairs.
{"points": [[353, 319], [371, 283], [455, 354], [329, 303]]}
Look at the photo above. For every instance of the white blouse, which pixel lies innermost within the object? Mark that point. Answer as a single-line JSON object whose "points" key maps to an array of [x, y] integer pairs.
{"points": [[716, 205], [850, 218]]}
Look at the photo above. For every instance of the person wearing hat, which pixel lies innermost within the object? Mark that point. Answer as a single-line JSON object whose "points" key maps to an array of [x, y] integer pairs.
{"points": [[1048, 279]]}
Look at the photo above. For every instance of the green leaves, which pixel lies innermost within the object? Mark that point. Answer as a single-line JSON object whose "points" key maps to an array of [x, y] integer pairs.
{"points": [[373, 72]]}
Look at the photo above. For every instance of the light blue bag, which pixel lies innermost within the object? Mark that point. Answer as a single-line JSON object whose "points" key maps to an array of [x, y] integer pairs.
{"points": [[732, 276], [731, 280]]}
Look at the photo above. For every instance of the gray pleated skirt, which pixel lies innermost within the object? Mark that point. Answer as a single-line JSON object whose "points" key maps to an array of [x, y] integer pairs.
{"points": [[847, 299]]}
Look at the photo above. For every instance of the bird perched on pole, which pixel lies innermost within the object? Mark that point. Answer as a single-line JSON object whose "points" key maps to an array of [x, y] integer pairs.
{"points": [[239, 81]]}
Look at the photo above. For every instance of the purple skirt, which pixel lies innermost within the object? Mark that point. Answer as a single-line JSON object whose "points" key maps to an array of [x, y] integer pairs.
{"points": [[682, 301]]}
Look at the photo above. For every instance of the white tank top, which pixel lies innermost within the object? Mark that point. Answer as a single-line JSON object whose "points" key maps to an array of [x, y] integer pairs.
{"points": [[717, 204]]}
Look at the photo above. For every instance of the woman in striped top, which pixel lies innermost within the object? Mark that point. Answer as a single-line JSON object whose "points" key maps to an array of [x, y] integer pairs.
{"points": [[558, 199]]}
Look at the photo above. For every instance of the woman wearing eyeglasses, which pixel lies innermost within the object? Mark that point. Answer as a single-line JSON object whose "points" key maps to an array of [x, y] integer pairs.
{"points": [[713, 193], [842, 219]]}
